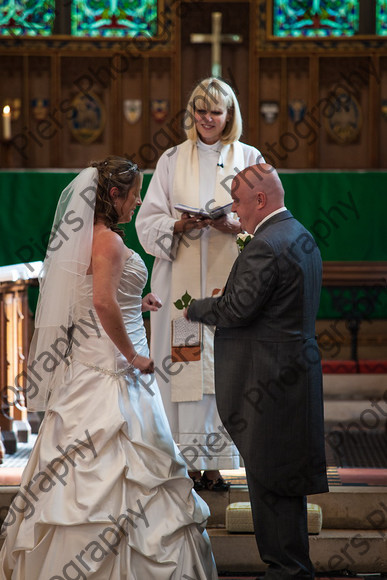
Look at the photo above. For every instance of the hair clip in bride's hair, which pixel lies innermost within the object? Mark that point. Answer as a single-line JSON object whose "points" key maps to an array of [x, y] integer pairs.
{"points": [[133, 167]]}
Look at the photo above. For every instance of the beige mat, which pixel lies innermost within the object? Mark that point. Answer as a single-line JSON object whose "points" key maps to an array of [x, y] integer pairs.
{"points": [[239, 518]]}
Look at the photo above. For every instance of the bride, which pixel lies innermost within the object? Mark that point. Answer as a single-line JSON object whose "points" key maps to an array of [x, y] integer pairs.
{"points": [[105, 494]]}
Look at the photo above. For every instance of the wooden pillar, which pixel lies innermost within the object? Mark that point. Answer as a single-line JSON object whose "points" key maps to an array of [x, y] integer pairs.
{"points": [[374, 113], [14, 318], [314, 83]]}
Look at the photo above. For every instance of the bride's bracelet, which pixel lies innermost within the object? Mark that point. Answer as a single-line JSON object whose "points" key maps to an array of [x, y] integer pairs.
{"points": [[133, 359]]}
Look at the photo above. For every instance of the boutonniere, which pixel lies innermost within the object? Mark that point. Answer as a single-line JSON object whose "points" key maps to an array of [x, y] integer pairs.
{"points": [[242, 240]]}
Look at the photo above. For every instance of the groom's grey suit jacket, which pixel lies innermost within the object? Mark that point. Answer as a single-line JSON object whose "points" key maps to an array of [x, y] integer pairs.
{"points": [[268, 376]]}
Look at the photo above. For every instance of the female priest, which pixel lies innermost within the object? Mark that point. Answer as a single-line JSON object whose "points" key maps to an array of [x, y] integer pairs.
{"points": [[194, 254]]}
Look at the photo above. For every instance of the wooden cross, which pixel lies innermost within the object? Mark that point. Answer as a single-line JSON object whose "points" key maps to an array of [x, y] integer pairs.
{"points": [[216, 38]]}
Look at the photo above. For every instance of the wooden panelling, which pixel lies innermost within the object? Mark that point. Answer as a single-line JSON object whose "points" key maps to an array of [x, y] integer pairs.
{"points": [[260, 68]]}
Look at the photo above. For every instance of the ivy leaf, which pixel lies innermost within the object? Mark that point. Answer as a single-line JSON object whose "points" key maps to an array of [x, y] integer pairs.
{"points": [[186, 298], [179, 305]]}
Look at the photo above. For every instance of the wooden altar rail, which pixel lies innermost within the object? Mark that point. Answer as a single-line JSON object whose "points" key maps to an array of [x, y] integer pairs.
{"points": [[342, 274], [353, 278]]}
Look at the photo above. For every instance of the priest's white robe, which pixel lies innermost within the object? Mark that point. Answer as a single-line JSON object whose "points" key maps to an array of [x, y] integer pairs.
{"points": [[196, 426]]}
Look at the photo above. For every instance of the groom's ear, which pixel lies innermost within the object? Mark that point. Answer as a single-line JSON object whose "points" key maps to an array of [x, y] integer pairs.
{"points": [[261, 199]]}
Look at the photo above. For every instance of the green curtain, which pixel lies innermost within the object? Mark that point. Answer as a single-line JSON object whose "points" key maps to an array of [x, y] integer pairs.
{"points": [[345, 211]]}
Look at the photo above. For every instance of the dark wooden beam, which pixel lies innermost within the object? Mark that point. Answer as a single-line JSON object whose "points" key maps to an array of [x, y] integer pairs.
{"points": [[355, 274]]}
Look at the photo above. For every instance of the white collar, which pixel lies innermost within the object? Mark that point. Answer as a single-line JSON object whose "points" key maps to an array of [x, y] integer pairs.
{"points": [[206, 147], [281, 209]]}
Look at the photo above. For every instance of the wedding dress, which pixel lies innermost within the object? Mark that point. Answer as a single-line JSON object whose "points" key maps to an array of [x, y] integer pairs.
{"points": [[105, 494]]}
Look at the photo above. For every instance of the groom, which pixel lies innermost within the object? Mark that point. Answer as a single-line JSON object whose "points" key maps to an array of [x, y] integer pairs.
{"points": [[267, 368]]}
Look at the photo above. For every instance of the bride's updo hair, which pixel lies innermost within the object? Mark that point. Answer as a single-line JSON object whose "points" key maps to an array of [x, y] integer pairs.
{"points": [[113, 172]]}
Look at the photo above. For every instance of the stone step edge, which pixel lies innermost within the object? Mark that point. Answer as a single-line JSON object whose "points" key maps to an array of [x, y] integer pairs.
{"points": [[330, 550], [369, 416], [363, 386], [326, 533], [351, 507], [345, 507]]}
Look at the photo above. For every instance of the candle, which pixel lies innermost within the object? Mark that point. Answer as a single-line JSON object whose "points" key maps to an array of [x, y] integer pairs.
{"points": [[7, 123]]}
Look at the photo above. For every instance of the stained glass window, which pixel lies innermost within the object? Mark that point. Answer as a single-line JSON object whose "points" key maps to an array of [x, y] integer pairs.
{"points": [[118, 18], [27, 17], [381, 17], [315, 18]]}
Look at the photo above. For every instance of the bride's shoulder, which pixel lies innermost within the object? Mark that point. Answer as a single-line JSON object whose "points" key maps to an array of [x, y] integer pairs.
{"points": [[107, 242]]}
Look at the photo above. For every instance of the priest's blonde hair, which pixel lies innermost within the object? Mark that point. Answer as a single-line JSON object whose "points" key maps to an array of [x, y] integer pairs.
{"points": [[209, 94]]}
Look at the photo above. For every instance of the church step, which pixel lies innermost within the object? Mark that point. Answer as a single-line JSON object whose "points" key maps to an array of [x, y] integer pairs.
{"points": [[331, 551], [369, 415], [355, 386], [354, 534], [353, 507]]}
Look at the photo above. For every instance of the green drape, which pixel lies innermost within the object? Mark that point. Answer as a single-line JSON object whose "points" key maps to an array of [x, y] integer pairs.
{"points": [[345, 211]]}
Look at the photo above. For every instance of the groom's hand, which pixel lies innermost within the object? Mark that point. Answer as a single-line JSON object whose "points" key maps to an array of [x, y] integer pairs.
{"points": [[226, 224]]}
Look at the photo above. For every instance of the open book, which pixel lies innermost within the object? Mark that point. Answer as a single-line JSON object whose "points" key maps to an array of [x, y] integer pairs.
{"points": [[212, 214]]}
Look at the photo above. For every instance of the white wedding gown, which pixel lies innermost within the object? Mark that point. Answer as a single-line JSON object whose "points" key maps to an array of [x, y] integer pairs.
{"points": [[105, 494]]}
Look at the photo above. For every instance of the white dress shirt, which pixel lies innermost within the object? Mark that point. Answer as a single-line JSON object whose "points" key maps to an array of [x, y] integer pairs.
{"points": [[269, 216]]}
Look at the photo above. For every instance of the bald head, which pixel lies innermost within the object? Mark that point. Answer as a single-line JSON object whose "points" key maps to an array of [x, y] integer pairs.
{"points": [[257, 191]]}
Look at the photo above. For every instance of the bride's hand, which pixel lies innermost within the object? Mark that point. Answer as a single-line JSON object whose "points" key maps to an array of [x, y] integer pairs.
{"points": [[151, 302], [144, 364]]}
